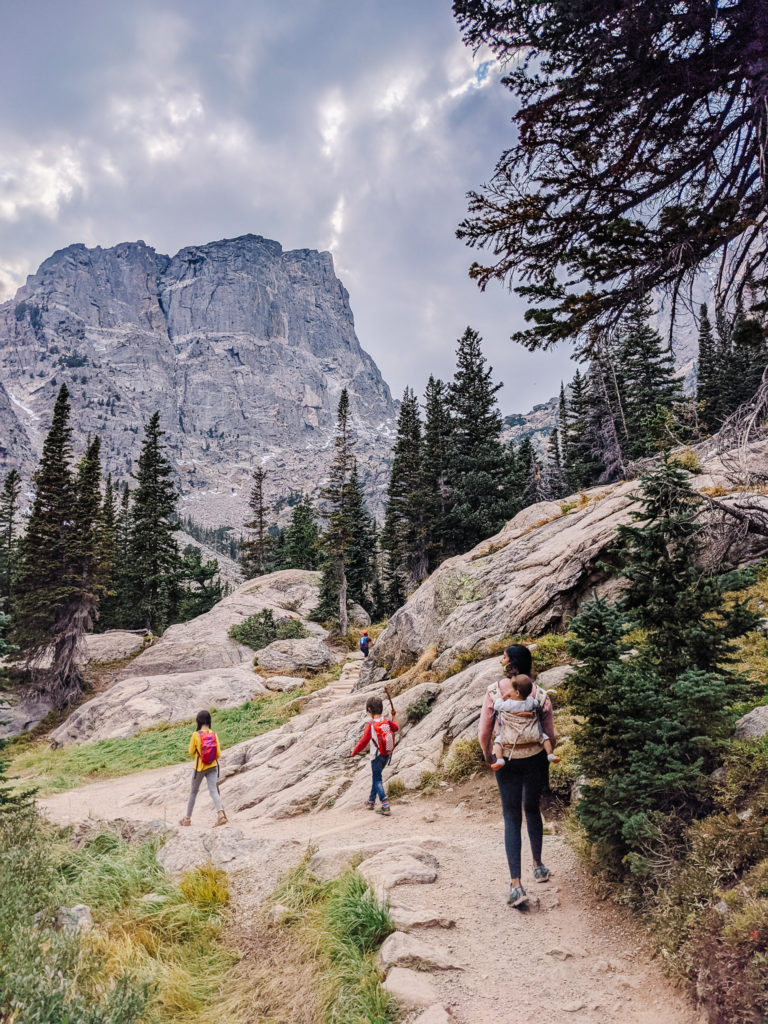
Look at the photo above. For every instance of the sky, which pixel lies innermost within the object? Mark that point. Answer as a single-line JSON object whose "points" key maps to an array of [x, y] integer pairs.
{"points": [[356, 126]]}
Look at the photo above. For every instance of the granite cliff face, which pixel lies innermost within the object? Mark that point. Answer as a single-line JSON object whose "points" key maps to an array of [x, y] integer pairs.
{"points": [[244, 349]]}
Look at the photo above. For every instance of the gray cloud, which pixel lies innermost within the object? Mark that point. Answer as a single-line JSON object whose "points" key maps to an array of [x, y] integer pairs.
{"points": [[356, 126]]}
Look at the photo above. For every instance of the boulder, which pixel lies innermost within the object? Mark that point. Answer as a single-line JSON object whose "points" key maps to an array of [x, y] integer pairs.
{"points": [[402, 950], [310, 655], [21, 712], [358, 616], [435, 1014], [137, 702], [284, 684], [410, 989], [405, 918], [753, 725], [553, 678], [114, 645], [74, 919], [389, 868]]}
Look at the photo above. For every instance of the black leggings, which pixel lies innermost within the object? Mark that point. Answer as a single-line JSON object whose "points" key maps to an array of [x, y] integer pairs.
{"points": [[521, 782]]}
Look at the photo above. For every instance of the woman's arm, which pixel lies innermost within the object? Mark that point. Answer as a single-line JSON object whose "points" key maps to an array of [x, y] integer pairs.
{"points": [[548, 721], [485, 727]]}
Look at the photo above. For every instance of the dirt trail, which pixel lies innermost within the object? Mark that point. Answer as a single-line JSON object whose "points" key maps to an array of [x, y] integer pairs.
{"points": [[572, 957]]}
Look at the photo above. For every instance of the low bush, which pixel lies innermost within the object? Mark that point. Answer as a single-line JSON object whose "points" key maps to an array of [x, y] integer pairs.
{"points": [[419, 708], [465, 759], [551, 650], [262, 629], [395, 789]]}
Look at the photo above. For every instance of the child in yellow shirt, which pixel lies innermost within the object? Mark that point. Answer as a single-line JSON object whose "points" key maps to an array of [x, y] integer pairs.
{"points": [[204, 747]]}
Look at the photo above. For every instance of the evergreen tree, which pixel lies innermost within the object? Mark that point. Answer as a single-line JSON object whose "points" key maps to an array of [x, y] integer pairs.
{"points": [[749, 357], [255, 551], [653, 721], [553, 484], [338, 534], [361, 552], [528, 474], [604, 422], [302, 536], [709, 394], [116, 609], [404, 537], [437, 438], [479, 498], [45, 582], [153, 562], [9, 514], [202, 588], [580, 463], [278, 550], [652, 391]]}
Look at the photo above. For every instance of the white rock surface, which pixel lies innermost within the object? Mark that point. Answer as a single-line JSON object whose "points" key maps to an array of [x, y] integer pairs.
{"points": [[435, 1014], [389, 868], [75, 919], [309, 655], [283, 684], [21, 712], [193, 665], [138, 702], [403, 950], [410, 988]]}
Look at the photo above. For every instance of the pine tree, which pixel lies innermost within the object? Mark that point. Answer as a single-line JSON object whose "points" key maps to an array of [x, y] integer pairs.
{"points": [[749, 358], [153, 553], [338, 534], [405, 524], [202, 585], [302, 536], [604, 422], [116, 610], [9, 513], [528, 473], [479, 499], [437, 438], [45, 581], [708, 385], [652, 391], [361, 552], [255, 551], [553, 484], [654, 720], [581, 465]]}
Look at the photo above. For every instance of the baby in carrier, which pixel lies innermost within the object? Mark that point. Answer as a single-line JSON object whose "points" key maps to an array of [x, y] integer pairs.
{"points": [[519, 722]]}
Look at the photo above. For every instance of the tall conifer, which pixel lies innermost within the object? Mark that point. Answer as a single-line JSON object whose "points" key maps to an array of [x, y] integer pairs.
{"points": [[360, 559], [153, 552], [479, 499], [255, 550], [709, 396], [9, 518], [404, 536], [437, 437], [302, 536]]}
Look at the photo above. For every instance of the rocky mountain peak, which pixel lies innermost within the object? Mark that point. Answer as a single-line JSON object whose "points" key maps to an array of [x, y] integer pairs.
{"points": [[242, 346]]}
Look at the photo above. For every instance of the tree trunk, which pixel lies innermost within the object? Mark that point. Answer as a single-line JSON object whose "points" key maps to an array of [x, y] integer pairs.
{"points": [[343, 622]]}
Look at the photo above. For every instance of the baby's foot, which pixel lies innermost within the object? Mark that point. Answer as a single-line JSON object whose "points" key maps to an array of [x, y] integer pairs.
{"points": [[553, 758], [498, 763]]}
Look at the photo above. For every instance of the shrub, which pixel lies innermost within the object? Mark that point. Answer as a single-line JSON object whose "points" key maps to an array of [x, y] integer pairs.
{"points": [[551, 650], [688, 460], [395, 788], [429, 782], [260, 630], [465, 759], [419, 708]]}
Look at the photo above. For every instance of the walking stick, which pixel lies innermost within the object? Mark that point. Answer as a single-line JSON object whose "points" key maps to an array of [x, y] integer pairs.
{"points": [[391, 702]]}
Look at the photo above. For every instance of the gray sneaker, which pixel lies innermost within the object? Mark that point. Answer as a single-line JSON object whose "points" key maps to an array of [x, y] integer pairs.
{"points": [[384, 809], [517, 895], [541, 874]]}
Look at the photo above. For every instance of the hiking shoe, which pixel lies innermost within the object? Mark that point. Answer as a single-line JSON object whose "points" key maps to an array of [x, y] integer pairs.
{"points": [[185, 821], [370, 804], [384, 809], [221, 819], [517, 895], [541, 874]]}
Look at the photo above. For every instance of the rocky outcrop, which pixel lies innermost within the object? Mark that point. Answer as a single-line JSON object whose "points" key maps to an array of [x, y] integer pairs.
{"points": [[297, 655], [195, 664], [532, 576], [244, 349]]}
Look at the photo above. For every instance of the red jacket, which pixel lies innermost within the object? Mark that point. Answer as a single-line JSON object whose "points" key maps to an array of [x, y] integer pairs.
{"points": [[369, 735]]}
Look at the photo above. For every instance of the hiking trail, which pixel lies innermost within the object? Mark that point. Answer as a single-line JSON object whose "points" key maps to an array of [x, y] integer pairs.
{"points": [[570, 956]]}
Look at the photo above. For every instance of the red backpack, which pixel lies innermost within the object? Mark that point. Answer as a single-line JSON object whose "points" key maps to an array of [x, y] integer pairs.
{"points": [[384, 736], [207, 747]]}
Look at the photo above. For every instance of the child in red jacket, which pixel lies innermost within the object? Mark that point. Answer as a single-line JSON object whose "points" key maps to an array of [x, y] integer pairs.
{"points": [[380, 733]]}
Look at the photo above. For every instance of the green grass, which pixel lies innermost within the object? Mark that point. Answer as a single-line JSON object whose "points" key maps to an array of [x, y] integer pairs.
{"points": [[54, 771], [339, 925]]}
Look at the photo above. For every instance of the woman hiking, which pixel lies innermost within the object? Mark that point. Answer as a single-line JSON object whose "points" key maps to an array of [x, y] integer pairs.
{"points": [[523, 777]]}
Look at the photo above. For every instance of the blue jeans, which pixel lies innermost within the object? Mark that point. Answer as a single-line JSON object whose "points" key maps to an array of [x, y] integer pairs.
{"points": [[378, 764]]}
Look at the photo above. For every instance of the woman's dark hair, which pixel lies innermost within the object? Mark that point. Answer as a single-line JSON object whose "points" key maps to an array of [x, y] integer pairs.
{"points": [[203, 718], [520, 660], [374, 706]]}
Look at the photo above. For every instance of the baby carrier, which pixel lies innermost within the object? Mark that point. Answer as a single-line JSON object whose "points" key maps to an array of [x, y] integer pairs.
{"points": [[519, 731]]}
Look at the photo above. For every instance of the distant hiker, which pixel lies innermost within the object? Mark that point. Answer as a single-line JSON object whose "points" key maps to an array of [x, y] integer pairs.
{"points": [[204, 747], [523, 778], [365, 643], [379, 732], [519, 722]]}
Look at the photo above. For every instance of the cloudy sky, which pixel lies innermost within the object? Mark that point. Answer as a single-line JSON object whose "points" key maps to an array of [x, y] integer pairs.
{"points": [[351, 125]]}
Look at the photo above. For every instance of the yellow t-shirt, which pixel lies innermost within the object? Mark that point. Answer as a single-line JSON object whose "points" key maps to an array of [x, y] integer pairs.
{"points": [[196, 750]]}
